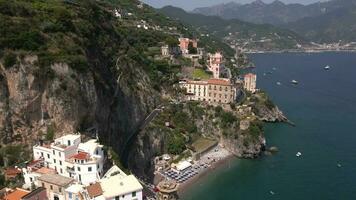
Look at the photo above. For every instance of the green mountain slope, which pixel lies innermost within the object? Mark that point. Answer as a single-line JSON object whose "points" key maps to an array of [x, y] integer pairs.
{"points": [[336, 26], [243, 34]]}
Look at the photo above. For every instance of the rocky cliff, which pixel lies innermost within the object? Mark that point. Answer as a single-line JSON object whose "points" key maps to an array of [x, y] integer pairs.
{"points": [[193, 120], [70, 101]]}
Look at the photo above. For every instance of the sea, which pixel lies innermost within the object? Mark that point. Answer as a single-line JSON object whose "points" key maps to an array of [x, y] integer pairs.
{"points": [[323, 107]]}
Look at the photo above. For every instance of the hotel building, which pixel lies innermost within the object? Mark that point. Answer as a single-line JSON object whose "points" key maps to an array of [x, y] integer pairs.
{"points": [[213, 91]]}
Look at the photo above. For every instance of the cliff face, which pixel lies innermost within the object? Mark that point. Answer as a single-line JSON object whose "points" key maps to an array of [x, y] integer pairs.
{"points": [[70, 101], [193, 120]]}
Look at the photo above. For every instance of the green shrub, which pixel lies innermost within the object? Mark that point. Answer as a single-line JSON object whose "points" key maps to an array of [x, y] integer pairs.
{"points": [[9, 59], [176, 143]]}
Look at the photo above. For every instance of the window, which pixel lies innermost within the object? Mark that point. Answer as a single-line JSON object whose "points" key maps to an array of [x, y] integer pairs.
{"points": [[60, 162], [68, 142], [54, 153], [117, 198], [133, 194], [51, 186], [60, 189], [41, 154], [69, 195], [89, 169], [97, 166], [61, 171], [78, 168], [48, 156], [54, 160], [59, 153], [30, 179], [80, 177], [43, 185], [97, 151]]}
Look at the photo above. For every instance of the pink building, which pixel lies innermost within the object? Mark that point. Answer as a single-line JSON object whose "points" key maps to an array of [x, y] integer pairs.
{"points": [[215, 64], [184, 44]]}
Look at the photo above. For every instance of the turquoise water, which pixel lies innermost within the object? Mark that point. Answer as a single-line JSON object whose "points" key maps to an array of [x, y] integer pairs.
{"points": [[323, 106]]}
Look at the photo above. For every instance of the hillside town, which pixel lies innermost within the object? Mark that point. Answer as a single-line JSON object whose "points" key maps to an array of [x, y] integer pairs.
{"points": [[71, 169]]}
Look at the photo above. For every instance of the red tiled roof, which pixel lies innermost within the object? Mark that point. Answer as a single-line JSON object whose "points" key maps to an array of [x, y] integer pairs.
{"points": [[218, 82], [17, 194], [81, 156], [12, 172], [94, 190], [45, 170]]}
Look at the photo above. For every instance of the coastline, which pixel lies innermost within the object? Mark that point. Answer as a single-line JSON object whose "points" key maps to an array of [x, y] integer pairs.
{"points": [[300, 51], [214, 166]]}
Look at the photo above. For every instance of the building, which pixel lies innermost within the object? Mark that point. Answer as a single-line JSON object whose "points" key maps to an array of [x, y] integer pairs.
{"points": [[70, 158], [184, 44], [37, 194], [212, 91], [55, 185], [16, 194], [76, 192], [11, 173], [165, 50], [118, 187], [250, 82], [167, 190], [215, 64], [114, 185]]}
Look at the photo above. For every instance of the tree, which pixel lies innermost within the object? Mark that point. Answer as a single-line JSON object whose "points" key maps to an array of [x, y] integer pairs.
{"points": [[191, 49]]}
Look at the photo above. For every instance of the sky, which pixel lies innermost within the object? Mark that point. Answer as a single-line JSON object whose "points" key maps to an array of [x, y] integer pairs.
{"points": [[191, 4]]}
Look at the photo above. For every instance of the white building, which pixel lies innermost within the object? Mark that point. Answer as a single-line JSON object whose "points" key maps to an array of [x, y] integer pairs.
{"points": [[250, 82], [115, 185], [216, 64], [71, 158]]}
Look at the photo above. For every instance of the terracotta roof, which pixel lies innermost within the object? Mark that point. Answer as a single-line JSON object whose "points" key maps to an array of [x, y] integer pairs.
{"points": [[45, 170], [218, 82], [81, 156], [12, 172], [34, 192], [17, 194], [56, 179], [94, 190]]}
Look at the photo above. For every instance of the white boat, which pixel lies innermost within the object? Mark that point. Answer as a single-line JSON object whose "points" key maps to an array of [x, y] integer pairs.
{"points": [[327, 67], [298, 154], [339, 165], [294, 82], [278, 83], [274, 69]]}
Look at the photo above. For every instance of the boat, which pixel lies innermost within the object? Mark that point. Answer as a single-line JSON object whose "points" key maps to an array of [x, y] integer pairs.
{"points": [[339, 165], [274, 69], [294, 82], [278, 83], [298, 154], [327, 67]]}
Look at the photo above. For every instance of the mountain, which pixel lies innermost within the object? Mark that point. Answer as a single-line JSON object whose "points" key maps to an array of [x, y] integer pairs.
{"points": [[236, 32], [336, 26], [328, 21], [275, 13]]}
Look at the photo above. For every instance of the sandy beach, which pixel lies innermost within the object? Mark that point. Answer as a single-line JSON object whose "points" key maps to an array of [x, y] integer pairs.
{"points": [[221, 159]]}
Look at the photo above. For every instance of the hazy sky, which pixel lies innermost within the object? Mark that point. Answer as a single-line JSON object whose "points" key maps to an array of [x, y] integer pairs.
{"points": [[191, 4]]}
